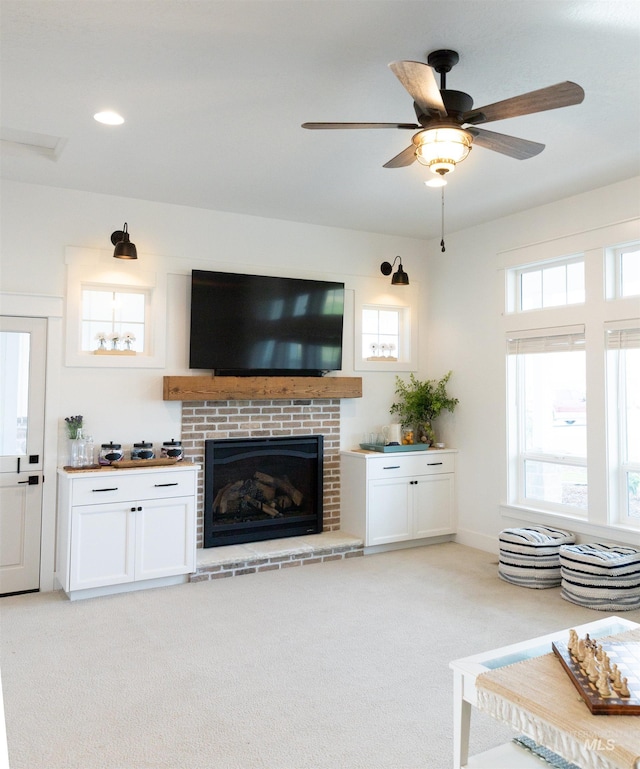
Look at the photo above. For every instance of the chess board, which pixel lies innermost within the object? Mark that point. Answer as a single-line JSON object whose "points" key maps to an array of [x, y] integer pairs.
{"points": [[626, 655]]}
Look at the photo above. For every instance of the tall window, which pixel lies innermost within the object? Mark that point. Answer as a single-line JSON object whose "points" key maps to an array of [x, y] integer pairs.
{"points": [[548, 420], [623, 376]]}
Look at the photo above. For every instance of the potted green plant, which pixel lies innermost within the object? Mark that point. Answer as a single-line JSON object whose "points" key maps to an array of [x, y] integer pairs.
{"points": [[419, 403]]}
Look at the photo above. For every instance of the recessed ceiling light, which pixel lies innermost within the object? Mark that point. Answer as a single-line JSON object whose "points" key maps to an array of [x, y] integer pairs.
{"points": [[437, 182], [109, 118]]}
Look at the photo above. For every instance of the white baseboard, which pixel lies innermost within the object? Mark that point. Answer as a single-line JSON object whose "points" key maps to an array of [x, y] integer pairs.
{"points": [[406, 544], [476, 539]]}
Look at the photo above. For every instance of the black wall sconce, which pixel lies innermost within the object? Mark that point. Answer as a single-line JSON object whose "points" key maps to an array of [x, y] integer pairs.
{"points": [[124, 248], [399, 277]]}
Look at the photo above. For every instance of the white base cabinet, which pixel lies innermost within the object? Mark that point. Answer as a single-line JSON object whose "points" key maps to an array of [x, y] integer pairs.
{"points": [[124, 529], [397, 497]]}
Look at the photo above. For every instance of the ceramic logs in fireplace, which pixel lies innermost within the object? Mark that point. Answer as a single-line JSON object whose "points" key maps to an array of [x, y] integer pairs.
{"points": [[262, 488]]}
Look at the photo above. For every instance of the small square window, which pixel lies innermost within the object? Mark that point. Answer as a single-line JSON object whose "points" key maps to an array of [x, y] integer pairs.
{"points": [[113, 319], [380, 334]]}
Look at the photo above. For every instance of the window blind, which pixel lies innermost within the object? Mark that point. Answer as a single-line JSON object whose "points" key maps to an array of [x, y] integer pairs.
{"points": [[546, 340], [622, 338]]}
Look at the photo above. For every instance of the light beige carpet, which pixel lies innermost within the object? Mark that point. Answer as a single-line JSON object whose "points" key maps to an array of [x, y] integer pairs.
{"points": [[339, 665]]}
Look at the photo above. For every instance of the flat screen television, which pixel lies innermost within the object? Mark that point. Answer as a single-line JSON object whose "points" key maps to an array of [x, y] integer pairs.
{"points": [[245, 325]]}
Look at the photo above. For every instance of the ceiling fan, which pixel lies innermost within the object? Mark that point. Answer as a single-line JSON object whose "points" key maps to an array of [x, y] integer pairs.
{"points": [[447, 120]]}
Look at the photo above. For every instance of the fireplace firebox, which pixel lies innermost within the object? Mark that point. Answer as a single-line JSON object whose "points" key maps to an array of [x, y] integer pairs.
{"points": [[262, 488]]}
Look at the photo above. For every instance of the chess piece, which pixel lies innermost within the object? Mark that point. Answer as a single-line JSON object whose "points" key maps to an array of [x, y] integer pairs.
{"points": [[603, 683], [617, 680], [624, 689], [590, 666], [573, 639], [580, 650]]}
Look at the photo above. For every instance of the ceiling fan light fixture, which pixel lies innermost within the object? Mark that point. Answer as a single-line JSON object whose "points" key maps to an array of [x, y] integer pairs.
{"points": [[440, 149]]}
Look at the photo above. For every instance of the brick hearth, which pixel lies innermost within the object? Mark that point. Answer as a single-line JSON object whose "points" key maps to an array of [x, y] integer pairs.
{"points": [[252, 557], [205, 420]]}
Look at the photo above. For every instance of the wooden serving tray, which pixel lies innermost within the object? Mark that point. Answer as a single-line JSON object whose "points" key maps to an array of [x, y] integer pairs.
{"points": [[126, 463]]}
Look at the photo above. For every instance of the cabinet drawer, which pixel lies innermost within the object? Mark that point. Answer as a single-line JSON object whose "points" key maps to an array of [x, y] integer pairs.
{"points": [[121, 487], [394, 466]]}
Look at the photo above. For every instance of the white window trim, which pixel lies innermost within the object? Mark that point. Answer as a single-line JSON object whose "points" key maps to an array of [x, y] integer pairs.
{"points": [[95, 268], [376, 293], [594, 243]]}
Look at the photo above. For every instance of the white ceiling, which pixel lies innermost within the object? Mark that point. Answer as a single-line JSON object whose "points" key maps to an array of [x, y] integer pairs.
{"points": [[214, 94]]}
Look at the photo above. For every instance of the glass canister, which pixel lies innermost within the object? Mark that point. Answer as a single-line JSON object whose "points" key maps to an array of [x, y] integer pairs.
{"points": [[89, 451], [110, 452], [172, 450], [78, 447], [142, 450]]}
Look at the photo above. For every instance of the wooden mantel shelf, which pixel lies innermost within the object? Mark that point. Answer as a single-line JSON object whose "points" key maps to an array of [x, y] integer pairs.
{"points": [[224, 388]]}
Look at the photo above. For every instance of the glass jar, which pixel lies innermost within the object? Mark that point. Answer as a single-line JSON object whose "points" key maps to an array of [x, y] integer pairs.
{"points": [[110, 452], [142, 450], [78, 450], [89, 451], [172, 450]]}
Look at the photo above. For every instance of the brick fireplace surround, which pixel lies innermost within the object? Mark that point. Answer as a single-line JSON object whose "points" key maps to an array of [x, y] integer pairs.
{"points": [[212, 419]]}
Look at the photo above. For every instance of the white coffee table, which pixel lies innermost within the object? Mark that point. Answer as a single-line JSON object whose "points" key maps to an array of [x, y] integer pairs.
{"points": [[467, 669]]}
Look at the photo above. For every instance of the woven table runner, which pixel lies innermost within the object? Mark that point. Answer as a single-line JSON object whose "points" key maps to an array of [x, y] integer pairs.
{"points": [[537, 697]]}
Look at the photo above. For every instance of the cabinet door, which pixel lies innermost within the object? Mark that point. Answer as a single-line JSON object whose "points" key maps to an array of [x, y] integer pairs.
{"points": [[165, 537], [102, 548], [389, 518], [434, 505]]}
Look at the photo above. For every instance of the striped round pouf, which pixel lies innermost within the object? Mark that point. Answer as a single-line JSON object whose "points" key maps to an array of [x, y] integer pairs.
{"points": [[603, 577], [530, 557]]}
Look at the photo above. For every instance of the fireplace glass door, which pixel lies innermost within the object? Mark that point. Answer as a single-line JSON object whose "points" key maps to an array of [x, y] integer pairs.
{"points": [[262, 488]]}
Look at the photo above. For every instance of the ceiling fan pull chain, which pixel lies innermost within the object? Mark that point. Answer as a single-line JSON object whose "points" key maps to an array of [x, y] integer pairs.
{"points": [[442, 226]]}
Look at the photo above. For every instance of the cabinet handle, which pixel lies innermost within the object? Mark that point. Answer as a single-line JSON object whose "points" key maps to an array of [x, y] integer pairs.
{"points": [[157, 485], [98, 490], [392, 467], [433, 464]]}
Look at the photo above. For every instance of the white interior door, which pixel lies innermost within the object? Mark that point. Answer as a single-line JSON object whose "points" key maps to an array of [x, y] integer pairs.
{"points": [[22, 392]]}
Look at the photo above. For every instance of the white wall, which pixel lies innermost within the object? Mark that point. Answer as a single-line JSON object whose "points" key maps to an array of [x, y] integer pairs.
{"points": [[465, 302], [39, 223], [460, 305]]}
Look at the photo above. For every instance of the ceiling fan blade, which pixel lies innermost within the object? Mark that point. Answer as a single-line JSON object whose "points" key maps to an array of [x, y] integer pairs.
{"points": [[420, 82], [404, 158], [554, 96], [520, 149], [314, 126]]}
